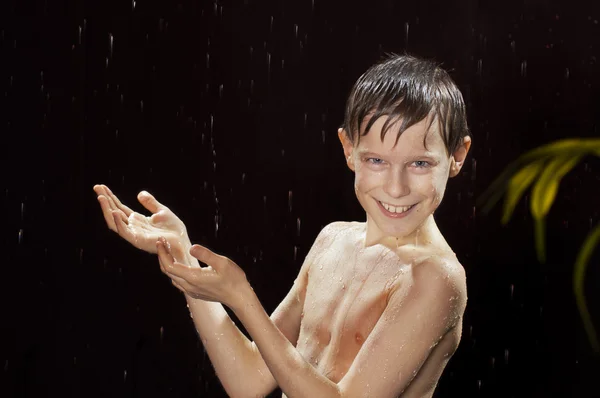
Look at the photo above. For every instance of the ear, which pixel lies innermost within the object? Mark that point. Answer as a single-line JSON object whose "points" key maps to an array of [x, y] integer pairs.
{"points": [[458, 157], [348, 147]]}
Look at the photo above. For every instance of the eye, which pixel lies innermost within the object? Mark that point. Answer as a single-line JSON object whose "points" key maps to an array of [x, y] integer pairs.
{"points": [[375, 161], [421, 163]]}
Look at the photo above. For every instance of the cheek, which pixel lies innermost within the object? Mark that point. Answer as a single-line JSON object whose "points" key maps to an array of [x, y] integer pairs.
{"points": [[366, 179], [438, 187]]}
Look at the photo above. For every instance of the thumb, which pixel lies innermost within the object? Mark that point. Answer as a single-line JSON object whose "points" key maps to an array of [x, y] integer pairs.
{"points": [[150, 203], [206, 256]]}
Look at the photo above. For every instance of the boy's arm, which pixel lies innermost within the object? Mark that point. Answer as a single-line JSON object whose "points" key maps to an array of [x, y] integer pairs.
{"points": [[392, 354], [237, 361]]}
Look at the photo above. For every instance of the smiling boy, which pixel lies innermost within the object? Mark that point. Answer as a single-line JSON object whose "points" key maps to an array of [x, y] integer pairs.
{"points": [[376, 310]]}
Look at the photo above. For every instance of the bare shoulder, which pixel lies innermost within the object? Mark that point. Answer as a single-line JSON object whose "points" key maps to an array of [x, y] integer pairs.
{"points": [[340, 229], [444, 277]]}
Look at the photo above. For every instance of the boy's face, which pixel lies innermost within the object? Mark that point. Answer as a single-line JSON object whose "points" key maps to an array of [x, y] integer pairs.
{"points": [[401, 186]]}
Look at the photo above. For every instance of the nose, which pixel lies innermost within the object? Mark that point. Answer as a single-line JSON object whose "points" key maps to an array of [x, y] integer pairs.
{"points": [[396, 185]]}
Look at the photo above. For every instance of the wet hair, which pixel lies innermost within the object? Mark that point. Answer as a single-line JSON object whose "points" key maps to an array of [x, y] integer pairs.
{"points": [[408, 88]]}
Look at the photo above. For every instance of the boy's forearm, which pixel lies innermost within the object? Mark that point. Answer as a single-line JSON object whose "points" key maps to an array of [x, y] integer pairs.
{"points": [[237, 362], [295, 376]]}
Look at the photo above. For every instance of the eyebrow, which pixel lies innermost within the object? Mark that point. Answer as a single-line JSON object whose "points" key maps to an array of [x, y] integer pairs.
{"points": [[427, 154]]}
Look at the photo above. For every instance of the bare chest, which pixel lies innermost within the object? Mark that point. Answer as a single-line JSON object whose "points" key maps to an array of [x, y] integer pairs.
{"points": [[345, 297]]}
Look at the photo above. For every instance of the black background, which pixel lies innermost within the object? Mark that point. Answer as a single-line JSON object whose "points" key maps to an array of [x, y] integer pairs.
{"points": [[227, 112]]}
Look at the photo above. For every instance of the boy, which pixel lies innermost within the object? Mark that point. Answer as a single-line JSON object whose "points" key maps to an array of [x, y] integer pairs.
{"points": [[376, 310]]}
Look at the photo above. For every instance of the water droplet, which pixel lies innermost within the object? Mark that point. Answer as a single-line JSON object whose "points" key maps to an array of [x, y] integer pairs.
{"points": [[479, 384], [512, 291], [290, 195], [20, 236], [506, 356], [298, 226], [524, 68], [125, 375]]}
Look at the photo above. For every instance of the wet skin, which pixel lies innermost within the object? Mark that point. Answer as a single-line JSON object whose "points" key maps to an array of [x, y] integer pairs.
{"points": [[346, 291], [376, 308]]}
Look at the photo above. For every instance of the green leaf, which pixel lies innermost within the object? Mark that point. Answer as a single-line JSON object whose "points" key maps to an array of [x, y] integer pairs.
{"points": [[583, 258], [569, 147], [517, 186], [544, 193]]}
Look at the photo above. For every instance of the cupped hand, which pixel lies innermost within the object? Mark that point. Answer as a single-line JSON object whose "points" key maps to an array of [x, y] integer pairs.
{"points": [[141, 231], [221, 280]]}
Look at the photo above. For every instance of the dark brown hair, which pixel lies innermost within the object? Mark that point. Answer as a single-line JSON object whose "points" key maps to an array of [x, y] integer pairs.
{"points": [[408, 88]]}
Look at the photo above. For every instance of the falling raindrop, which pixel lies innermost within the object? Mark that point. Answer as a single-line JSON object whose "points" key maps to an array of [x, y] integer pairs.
{"points": [[79, 30], [479, 384], [22, 211], [524, 68], [479, 67], [133, 4], [111, 43], [125, 375], [512, 291], [567, 73], [162, 331], [296, 31], [295, 252], [298, 226], [290, 195], [20, 236], [506, 356], [271, 25], [406, 27]]}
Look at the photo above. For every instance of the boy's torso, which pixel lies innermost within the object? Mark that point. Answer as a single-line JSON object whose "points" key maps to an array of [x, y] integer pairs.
{"points": [[347, 291]]}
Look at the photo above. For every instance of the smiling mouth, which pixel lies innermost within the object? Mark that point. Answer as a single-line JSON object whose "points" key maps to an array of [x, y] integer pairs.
{"points": [[394, 211]]}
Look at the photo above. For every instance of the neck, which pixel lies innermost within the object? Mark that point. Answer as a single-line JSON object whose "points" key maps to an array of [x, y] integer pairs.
{"points": [[423, 235]]}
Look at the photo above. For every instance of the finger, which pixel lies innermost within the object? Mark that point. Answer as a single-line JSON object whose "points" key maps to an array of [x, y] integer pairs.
{"points": [[107, 213], [178, 280], [150, 202], [208, 257], [122, 228], [175, 268], [178, 286], [117, 202]]}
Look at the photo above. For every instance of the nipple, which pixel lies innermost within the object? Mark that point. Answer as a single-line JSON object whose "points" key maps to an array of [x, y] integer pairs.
{"points": [[359, 339]]}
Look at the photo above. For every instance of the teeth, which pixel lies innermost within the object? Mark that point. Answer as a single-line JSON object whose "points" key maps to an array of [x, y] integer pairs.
{"points": [[393, 209]]}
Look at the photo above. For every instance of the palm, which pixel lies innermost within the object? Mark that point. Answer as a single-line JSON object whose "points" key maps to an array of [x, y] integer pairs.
{"points": [[141, 231]]}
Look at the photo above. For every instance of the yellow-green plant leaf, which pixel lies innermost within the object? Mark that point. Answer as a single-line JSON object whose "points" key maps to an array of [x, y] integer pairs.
{"points": [[539, 225], [543, 195], [583, 258], [544, 191], [517, 186], [568, 147]]}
